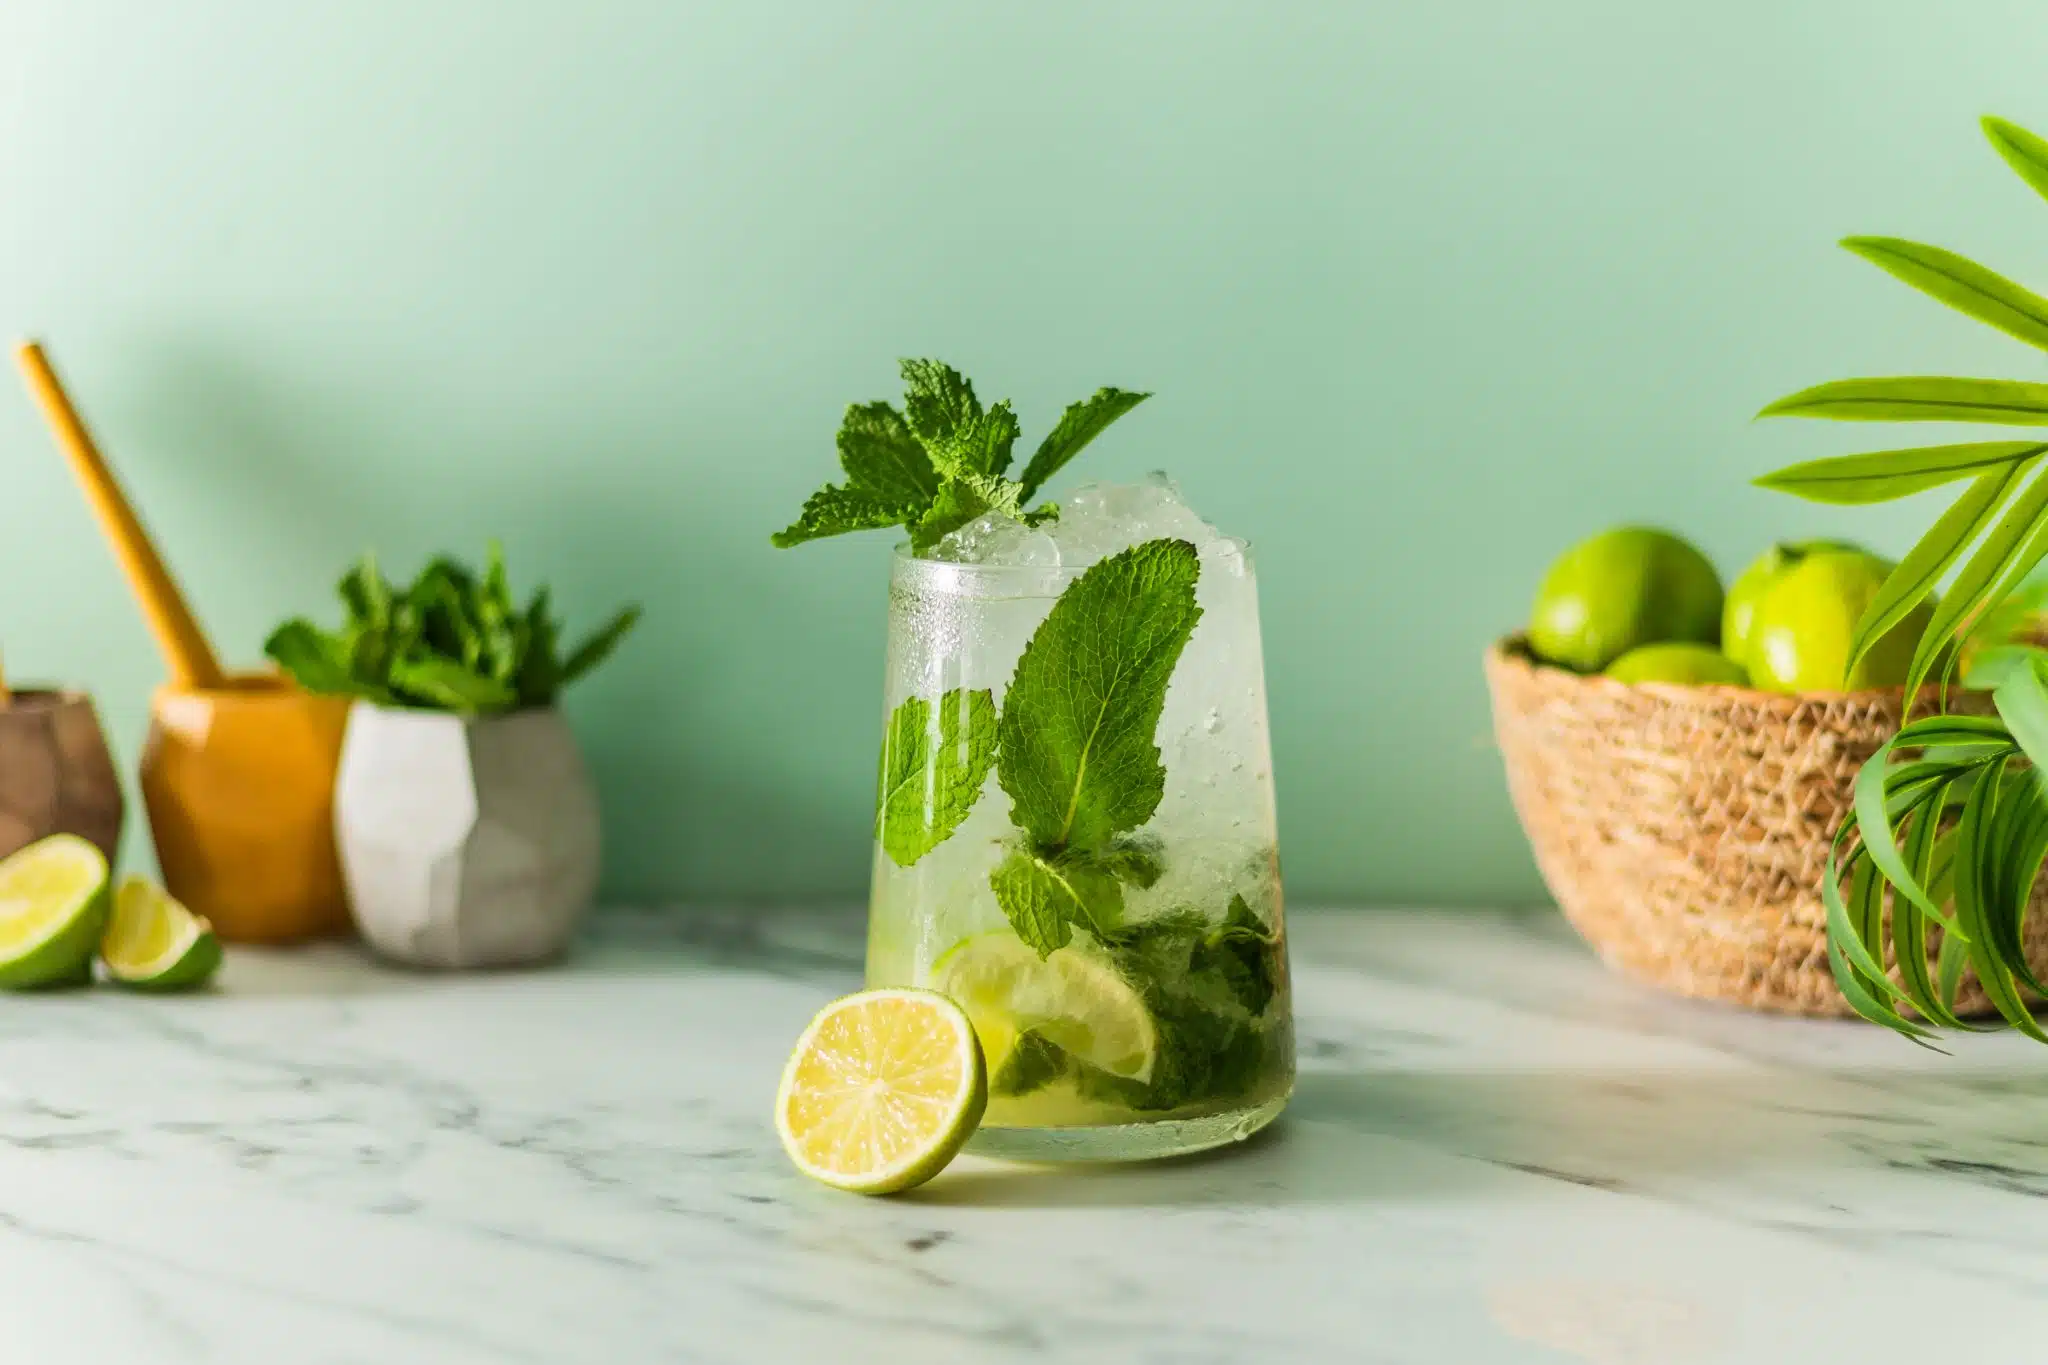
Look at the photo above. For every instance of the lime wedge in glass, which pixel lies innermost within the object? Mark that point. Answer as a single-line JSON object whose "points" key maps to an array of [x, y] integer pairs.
{"points": [[53, 905], [1072, 999], [155, 944], [883, 1089]]}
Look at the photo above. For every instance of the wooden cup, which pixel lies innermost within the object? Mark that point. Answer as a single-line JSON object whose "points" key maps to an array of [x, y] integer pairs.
{"points": [[56, 776], [239, 784]]}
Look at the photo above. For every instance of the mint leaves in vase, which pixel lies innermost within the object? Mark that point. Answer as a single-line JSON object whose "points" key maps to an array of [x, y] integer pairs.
{"points": [[1074, 819], [465, 818]]}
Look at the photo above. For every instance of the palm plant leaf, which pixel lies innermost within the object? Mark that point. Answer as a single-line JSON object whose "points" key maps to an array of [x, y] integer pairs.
{"points": [[1962, 284], [1883, 475], [1914, 580], [2025, 152], [2006, 554], [1980, 906], [1920, 398], [1910, 924], [1901, 866]]}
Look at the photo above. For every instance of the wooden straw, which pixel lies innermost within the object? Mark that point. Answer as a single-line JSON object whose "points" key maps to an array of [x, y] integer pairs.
{"points": [[190, 658]]}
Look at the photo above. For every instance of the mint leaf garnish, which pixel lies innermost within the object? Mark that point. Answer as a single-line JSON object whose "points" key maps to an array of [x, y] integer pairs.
{"points": [[927, 790], [938, 399], [959, 501], [979, 445], [943, 460], [833, 511], [883, 458], [1076, 750], [1078, 425]]}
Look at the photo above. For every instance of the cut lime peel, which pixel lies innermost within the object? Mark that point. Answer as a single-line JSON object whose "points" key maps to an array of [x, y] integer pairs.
{"points": [[56, 889], [946, 1121], [183, 950]]}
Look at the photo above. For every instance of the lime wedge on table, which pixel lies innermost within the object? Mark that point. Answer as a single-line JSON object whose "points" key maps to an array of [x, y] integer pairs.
{"points": [[156, 944], [1071, 998], [882, 1091], [53, 904]]}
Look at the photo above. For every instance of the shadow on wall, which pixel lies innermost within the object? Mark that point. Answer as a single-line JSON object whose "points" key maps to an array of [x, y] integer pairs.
{"points": [[243, 468]]}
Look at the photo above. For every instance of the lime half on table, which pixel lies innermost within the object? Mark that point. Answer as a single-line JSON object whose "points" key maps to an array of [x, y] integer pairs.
{"points": [[883, 1090], [53, 906], [156, 944]]}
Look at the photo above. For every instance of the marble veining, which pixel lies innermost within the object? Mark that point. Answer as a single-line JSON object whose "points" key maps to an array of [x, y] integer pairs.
{"points": [[1497, 1152]]}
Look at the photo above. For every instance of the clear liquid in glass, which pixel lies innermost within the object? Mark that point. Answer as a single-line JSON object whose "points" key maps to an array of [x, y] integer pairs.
{"points": [[1223, 1068]]}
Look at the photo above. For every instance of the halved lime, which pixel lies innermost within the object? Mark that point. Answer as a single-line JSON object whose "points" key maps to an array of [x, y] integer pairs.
{"points": [[156, 944], [53, 905], [1071, 998], [883, 1089]]}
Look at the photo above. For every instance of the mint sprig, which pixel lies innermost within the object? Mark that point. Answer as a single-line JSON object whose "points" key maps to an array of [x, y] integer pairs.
{"points": [[943, 461], [451, 640]]}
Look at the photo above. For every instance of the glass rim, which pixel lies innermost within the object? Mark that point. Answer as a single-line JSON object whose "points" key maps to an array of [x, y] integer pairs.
{"points": [[1008, 580]]}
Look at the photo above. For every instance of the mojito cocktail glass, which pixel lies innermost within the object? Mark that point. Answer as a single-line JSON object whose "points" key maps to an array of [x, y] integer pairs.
{"points": [[1075, 835]]}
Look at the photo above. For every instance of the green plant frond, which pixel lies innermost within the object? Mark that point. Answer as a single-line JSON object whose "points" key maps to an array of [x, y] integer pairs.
{"points": [[1886, 475], [1857, 968], [1910, 925], [1954, 961], [2022, 702], [2022, 150], [1920, 398], [1884, 792], [450, 640], [1910, 584], [1978, 904], [2018, 842], [1971, 735], [2021, 610], [1961, 283], [2004, 556]]}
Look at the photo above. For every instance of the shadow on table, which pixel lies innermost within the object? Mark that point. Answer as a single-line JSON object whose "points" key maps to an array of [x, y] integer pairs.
{"points": [[1611, 1129], [1292, 1162], [1407, 1136]]}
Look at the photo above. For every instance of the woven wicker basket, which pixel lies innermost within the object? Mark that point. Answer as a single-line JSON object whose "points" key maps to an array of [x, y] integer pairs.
{"points": [[1685, 830]]}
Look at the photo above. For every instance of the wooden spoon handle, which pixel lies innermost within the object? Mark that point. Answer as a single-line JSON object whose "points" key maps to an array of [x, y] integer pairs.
{"points": [[190, 658]]}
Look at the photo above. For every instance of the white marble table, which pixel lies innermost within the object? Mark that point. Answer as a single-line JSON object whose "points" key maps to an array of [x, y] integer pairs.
{"points": [[1497, 1153]]}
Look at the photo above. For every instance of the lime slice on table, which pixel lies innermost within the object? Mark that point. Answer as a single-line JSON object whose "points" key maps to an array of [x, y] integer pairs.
{"points": [[882, 1091], [53, 904], [156, 944], [1071, 999]]}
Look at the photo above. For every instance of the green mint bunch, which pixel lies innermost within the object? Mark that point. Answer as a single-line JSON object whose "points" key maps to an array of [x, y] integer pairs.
{"points": [[452, 640], [943, 460]]}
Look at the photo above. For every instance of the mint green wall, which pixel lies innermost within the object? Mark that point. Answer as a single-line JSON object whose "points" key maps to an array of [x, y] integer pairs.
{"points": [[1425, 290]]}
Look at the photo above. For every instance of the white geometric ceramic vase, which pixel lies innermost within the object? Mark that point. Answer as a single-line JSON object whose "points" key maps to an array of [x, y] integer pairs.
{"points": [[465, 842]]}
